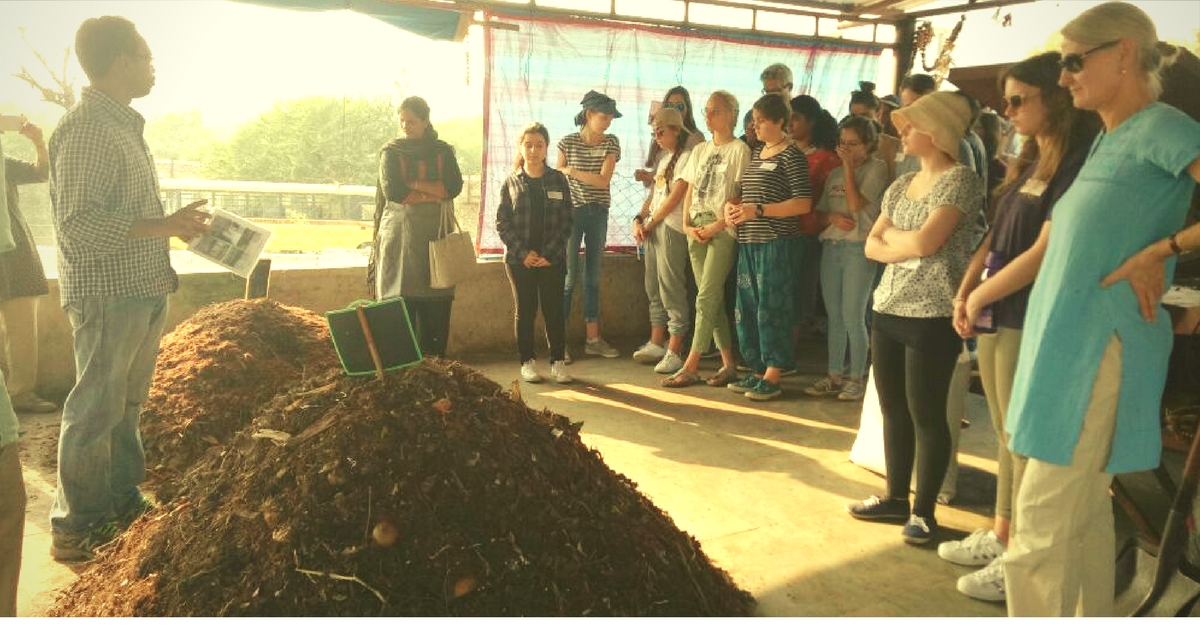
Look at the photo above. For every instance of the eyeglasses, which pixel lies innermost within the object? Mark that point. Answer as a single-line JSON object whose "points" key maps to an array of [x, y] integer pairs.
{"points": [[680, 107], [1016, 100], [1073, 63]]}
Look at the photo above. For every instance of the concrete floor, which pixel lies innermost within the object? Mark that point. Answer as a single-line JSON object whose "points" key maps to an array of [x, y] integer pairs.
{"points": [[763, 487]]}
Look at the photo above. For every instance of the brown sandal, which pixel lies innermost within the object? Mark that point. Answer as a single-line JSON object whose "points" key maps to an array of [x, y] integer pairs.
{"points": [[724, 377], [681, 379]]}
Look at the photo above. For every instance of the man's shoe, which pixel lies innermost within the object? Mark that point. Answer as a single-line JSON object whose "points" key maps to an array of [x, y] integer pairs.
{"points": [[558, 371], [823, 387], [764, 391], [75, 547], [30, 402], [919, 530], [135, 508], [670, 363], [987, 584], [876, 508], [743, 385], [977, 550], [851, 391], [649, 353], [601, 348], [529, 372]]}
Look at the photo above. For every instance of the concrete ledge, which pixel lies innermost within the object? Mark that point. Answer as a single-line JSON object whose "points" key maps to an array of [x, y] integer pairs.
{"points": [[482, 318]]}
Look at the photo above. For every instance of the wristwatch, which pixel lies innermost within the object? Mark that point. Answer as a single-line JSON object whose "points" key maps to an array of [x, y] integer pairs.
{"points": [[758, 211]]}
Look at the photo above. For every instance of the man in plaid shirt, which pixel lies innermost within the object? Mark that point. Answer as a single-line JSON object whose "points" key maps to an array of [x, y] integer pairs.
{"points": [[114, 276]]}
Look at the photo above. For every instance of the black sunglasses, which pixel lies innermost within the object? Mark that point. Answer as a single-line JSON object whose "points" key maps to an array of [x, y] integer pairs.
{"points": [[1073, 63], [1016, 100]]}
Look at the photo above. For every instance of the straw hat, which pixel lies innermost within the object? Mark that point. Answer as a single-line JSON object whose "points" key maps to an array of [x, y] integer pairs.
{"points": [[667, 116], [944, 116]]}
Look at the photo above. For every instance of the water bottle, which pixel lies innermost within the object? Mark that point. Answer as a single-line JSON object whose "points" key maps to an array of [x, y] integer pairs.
{"points": [[985, 323], [641, 250]]}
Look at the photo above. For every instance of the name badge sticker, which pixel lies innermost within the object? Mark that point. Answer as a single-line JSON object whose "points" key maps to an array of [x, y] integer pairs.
{"points": [[767, 165], [1033, 187], [554, 195]]}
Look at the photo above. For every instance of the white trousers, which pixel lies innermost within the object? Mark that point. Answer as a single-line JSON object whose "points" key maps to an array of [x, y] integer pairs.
{"points": [[1061, 560]]}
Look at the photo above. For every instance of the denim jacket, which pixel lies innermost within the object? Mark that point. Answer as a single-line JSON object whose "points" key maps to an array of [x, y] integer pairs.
{"points": [[512, 217]]}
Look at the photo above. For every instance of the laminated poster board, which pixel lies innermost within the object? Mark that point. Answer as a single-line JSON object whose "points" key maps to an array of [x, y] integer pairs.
{"points": [[391, 329]]}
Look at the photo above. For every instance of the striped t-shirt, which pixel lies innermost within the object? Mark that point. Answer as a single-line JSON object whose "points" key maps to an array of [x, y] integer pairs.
{"points": [[774, 180], [588, 158]]}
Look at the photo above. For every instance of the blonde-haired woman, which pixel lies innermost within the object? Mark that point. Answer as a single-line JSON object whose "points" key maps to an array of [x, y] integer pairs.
{"points": [[714, 175], [1091, 370]]}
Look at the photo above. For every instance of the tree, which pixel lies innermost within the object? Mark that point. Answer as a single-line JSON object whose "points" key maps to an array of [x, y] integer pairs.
{"points": [[62, 93], [180, 137], [327, 139], [316, 139]]}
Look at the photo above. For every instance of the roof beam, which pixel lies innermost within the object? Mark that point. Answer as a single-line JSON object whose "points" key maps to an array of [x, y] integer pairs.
{"points": [[962, 8]]}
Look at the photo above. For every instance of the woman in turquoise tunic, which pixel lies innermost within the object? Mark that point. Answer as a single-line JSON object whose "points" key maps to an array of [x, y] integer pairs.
{"points": [[1091, 370]]}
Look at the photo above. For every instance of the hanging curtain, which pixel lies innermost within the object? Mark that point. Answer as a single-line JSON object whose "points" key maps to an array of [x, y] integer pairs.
{"points": [[541, 72], [434, 23]]}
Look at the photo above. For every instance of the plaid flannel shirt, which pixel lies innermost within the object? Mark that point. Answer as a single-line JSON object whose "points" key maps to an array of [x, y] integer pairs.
{"points": [[102, 180], [512, 217]]}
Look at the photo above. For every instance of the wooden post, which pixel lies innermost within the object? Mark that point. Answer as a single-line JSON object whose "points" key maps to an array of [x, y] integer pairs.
{"points": [[362, 320], [258, 284]]}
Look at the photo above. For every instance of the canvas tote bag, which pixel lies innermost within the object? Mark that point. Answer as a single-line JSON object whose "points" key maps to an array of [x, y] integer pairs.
{"points": [[452, 255]]}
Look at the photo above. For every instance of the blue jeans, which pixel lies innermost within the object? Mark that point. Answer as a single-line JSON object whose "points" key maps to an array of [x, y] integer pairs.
{"points": [[589, 227], [846, 282], [100, 457]]}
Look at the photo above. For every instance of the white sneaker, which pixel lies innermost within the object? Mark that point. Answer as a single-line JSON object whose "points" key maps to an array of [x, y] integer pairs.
{"points": [[649, 353], [558, 370], [987, 584], [529, 372], [981, 548], [670, 363]]}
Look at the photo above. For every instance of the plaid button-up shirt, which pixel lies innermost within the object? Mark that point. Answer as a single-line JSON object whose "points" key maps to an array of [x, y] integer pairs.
{"points": [[513, 217], [102, 180]]}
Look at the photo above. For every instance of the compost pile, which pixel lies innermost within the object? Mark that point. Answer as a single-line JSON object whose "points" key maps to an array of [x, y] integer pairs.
{"points": [[216, 369], [431, 492]]}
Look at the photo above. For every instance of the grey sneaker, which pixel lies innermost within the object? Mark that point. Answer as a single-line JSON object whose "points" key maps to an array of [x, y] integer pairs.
{"points": [[987, 584], [529, 372], [649, 353], [919, 530], [670, 363], [75, 547], [851, 391], [823, 387], [981, 548], [558, 371], [599, 347]]}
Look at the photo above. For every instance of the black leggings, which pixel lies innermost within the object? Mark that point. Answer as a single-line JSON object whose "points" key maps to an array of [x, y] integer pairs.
{"points": [[914, 359], [431, 323], [531, 286]]}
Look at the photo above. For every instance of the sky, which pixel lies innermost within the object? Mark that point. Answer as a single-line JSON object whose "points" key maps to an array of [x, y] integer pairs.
{"points": [[232, 60]]}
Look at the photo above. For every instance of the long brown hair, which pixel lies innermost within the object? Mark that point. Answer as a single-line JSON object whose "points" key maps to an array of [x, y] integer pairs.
{"points": [[1066, 126], [532, 127], [681, 136]]}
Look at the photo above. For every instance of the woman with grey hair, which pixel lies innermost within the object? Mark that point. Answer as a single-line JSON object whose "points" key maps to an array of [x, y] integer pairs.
{"points": [[1091, 371]]}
